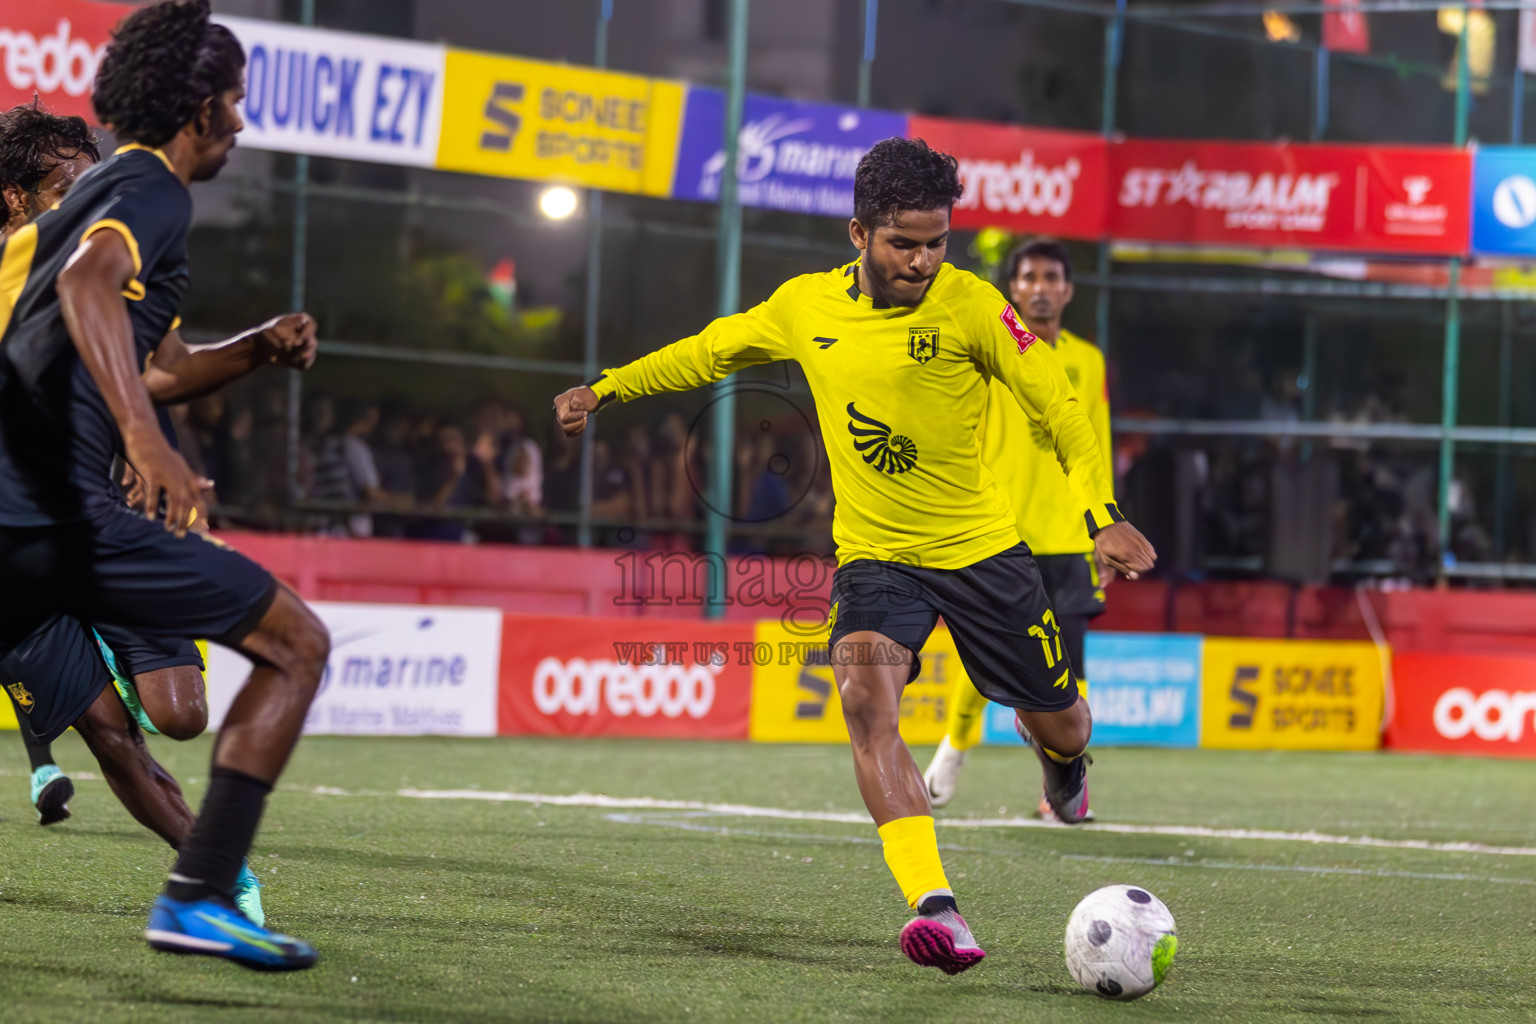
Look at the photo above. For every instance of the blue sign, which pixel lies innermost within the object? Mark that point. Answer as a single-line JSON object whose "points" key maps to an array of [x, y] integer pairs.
{"points": [[1143, 689], [1504, 201], [791, 156]]}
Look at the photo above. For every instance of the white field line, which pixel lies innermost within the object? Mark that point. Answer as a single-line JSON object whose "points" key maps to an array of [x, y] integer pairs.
{"points": [[601, 801], [672, 821]]}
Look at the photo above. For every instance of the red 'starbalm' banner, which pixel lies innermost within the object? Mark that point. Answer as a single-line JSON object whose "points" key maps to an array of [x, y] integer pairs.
{"points": [[580, 676], [1023, 179], [1368, 199], [53, 49], [1464, 704]]}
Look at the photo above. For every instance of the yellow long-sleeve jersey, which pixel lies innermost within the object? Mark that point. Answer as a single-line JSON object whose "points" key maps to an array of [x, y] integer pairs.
{"points": [[900, 393], [1023, 459]]}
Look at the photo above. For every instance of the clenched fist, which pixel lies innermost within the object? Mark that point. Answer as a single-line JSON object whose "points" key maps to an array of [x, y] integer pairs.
{"points": [[572, 408]]}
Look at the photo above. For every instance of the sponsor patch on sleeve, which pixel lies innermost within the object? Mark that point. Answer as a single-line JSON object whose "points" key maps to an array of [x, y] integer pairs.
{"points": [[1022, 337]]}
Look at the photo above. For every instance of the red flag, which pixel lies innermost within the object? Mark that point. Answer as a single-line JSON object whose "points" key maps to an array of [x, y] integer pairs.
{"points": [[1346, 30]]}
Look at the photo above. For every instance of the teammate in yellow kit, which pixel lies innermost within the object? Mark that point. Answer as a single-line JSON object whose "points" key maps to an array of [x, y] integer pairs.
{"points": [[899, 348], [1038, 279]]}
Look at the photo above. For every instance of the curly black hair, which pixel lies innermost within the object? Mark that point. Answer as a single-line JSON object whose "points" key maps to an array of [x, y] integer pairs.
{"points": [[903, 174], [32, 141], [163, 63], [1039, 248]]}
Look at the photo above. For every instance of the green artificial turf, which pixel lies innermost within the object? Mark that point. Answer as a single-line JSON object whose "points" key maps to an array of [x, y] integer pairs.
{"points": [[454, 909]]}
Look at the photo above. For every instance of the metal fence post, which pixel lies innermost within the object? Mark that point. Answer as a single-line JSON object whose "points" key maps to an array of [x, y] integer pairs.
{"points": [[871, 18], [296, 296], [729, 266], [593, 295], [1114, 42], [1452, 380]]}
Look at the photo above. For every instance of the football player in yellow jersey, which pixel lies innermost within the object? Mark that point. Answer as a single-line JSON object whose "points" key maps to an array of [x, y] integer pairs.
{"points": [[1038, 279], [899, 348]]}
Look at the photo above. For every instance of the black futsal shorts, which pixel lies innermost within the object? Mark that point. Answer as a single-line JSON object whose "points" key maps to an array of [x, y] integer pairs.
{"points": [[996, 610]]}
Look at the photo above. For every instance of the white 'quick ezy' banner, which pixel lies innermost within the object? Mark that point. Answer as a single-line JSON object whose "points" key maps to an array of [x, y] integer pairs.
{"points": [[340, 94], [394, 670]]}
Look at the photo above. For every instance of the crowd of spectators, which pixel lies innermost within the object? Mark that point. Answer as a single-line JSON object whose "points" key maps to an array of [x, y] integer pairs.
{"points": [[368, 469]]}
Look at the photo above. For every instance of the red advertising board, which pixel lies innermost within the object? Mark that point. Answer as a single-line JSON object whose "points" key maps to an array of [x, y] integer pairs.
{"points": [[1023, 179], [579, 676], [1370, 199], [53, 49], [1463, 704]]}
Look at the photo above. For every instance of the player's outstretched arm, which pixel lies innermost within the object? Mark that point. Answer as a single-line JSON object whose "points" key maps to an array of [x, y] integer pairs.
{"points": [[90, 290], [728, 344], [178, 373]]}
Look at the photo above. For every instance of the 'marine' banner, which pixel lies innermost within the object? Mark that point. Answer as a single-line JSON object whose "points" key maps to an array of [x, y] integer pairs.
{"points": [[1023, 179], [1365, 199]]}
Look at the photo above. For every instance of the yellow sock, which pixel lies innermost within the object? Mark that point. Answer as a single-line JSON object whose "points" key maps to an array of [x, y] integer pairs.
{"points": [[912, 853], [1058, 758], [965, 707]]}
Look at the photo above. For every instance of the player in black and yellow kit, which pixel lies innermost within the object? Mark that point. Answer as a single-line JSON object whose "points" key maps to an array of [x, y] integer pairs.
{"points": [[157, 685], [899, 348], [89, 295], [1037, 277], [41, 156]]}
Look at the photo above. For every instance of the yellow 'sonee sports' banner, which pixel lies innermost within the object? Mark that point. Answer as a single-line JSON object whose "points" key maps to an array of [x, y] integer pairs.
{"points": [[1291, 695], [7, 713], [794, 696], [519, 118]]}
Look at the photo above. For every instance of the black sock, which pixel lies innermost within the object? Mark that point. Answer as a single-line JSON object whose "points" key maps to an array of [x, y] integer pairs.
{"points": [[38, 752], [210, 859], [934, 904]]}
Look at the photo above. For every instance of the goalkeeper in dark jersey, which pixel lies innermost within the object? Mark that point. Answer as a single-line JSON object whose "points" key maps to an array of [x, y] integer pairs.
{"points": [[899, 348]]}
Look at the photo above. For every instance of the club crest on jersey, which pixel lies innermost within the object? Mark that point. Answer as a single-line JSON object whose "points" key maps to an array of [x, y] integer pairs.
{"points": [[24, 699], [887, 452], [1020, 336], [923, 343]]}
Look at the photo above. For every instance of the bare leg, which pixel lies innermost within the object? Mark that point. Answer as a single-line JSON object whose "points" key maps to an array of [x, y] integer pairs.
{"points": [[146, 789], [888, 778], [1061, 732], [175, 699], [289, 647]]}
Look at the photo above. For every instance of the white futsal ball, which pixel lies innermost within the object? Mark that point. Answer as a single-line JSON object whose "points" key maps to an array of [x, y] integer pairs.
{"points": [[1120, 942]]}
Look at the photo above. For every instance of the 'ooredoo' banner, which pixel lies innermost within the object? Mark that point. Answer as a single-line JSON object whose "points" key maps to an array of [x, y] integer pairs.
{"points": [[1318, 197], [579, 676], [1464, 704], [53, 49], [1023, 179]]}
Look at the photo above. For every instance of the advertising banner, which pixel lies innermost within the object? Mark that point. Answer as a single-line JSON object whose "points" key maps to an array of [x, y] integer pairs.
{"points": [[792, 156], [1372, 199], [1504, 200], [794, 694], [1475, 704], [669, 679], [1291, 695], [517, 118], [394, 670], [1024, 179], [340, 94], [52, 49], [1143, 690]]}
